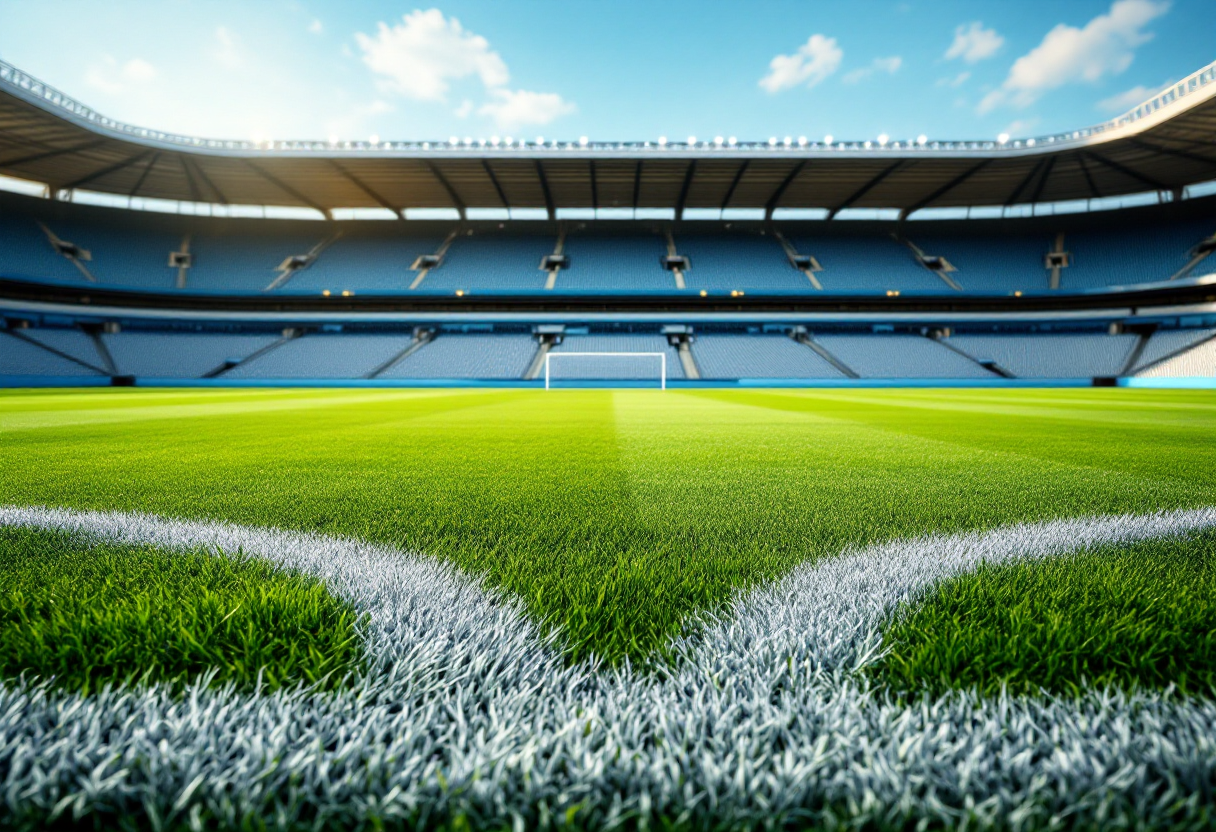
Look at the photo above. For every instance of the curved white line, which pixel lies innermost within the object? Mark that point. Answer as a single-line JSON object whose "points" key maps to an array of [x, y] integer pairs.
{"points": [[470, 711]]}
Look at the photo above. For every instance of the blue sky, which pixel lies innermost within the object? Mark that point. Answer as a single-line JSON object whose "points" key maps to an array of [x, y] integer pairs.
{"points": [[291, 69]]}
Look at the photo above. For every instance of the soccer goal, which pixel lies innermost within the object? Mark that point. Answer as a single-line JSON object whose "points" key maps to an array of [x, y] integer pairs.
{"points": [[603, 366]]}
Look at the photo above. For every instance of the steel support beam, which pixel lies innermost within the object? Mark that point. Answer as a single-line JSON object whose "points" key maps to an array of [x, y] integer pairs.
{"points": [[1168, 151], [780, 192], [457, 202], [1034, 171], [865, 189], [688, 174], [285, 188], [502, 195], [367, 189], [1038, 190], [107, 170], [544, 189], [947, 188], [734, 183], [139, 183], [637, 184], [1126, 171], [49, 154]]}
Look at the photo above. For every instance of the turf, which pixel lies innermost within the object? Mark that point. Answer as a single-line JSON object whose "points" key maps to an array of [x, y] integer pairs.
{"points": [[85, 614], [1134, 616], [614, 515]]}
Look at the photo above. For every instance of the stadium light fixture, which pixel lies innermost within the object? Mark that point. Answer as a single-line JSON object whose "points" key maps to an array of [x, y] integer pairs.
{"points": [[582, 140], [692, 141], [802, 141], [772, 141], [540, 141], [494, 141], [718, 140], [662, 141], [453, 141], [921, 139], [732, 141], [788, 141], [333, 140], [883, 139], [1004, 137], [324, 293], [704, 293]]}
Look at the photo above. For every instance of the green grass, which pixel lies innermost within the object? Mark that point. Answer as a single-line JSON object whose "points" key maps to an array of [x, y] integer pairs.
{"points": [[614, 515], [89, 614], [1134, 616]]}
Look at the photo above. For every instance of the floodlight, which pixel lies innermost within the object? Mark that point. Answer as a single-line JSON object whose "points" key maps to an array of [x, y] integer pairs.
{"points": [[494, 140], [1030, 142], [827, 139], [802, 141], [732, 141], [375, 140], [325, 293], [468, 141], [333, 139], [772, 141], [883, 139], [453, 140], [788, 141], [582, 140], [540, 141], [692, 140], [1004, 137], [718, 141], [662, 141]]}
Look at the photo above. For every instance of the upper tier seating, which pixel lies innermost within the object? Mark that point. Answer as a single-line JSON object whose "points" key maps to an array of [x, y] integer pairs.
{"points": [[615, 264], [19, 357], [749, 262], [871, 264], [1165, 343], [492, 261]]}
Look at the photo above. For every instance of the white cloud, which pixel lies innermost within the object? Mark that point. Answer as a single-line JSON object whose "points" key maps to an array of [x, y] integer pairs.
{"points": [[465, 109], [421, 55], [1105, 46], [512, 109], [974, 43], [316, 27], [1021, 127], [956, 81], [814, 61], [112, 78], [889, 65], [1129, 98], [227, 51]]}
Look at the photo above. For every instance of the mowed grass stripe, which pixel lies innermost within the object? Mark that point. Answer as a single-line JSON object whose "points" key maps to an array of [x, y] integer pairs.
{"points": [[613, 514]]}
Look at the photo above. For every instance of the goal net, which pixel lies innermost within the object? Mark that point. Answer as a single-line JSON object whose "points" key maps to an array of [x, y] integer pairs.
{"points": [[606, 366]]}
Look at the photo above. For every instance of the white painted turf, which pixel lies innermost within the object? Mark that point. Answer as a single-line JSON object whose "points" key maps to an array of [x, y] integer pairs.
{"points": [[467, 711]]}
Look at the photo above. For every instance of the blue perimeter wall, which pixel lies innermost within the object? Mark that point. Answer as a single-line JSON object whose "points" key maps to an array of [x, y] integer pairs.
{"points": [[676, 384]]}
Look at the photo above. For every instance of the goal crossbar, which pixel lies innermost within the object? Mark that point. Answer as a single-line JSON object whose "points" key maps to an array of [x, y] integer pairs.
{"points": [[659, 355]]}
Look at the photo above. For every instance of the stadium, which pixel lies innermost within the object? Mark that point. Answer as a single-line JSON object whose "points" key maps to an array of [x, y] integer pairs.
{"points": [[696, 483]]}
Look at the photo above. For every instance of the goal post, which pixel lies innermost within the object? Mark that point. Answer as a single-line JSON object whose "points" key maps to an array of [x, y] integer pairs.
{"points": [[649, 356]]}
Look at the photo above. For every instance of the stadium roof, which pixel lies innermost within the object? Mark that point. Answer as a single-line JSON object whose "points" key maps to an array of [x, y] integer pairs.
{"points": [[1166, 144]]}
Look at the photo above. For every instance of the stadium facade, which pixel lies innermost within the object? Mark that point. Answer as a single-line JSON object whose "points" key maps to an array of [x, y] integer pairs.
{"points": [[135, 256]]}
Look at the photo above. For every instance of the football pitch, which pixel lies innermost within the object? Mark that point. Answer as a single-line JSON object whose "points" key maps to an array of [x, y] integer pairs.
{"points": [[598, 608]]}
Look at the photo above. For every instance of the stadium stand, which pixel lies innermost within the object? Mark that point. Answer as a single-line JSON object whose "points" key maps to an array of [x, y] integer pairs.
{"points": [[1165, 343], [992, 263], [21, 357], [897, 355], [601, 262], [364, 264], [1197, 362], [494, 261], [734, 260], [323, 355], [1106, 257], [871, 264], [608, 368], [758, 356], [1065, 355], [471, 356], [71, 342], [181, 354]]}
